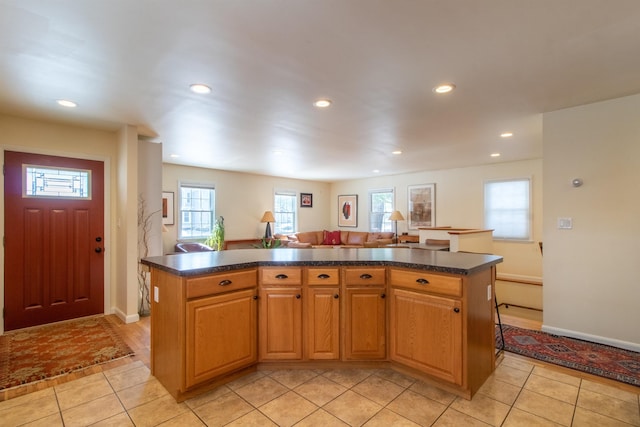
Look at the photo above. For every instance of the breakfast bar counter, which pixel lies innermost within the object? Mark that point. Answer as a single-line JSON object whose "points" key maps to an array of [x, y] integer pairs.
{"points": [[216, 316]]}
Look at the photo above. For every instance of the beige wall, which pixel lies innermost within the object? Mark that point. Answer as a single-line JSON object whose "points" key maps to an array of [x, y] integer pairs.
{"points": [[591, 271], [459, 203], [242, 199]]}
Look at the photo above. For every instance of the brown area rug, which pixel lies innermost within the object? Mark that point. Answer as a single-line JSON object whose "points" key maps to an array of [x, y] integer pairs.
{"points": [[597, 359], [43, 352]]}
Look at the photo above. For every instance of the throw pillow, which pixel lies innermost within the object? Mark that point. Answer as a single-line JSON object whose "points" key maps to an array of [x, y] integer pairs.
{"points": [[331, 238]]}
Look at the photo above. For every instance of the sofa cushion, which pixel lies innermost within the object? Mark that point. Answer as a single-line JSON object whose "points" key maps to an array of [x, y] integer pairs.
{"points": [[309, 237], [356, 238], [331, 238]]}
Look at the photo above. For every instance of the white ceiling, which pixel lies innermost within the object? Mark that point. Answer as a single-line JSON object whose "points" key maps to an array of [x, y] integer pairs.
{"points": [[132, 61]]}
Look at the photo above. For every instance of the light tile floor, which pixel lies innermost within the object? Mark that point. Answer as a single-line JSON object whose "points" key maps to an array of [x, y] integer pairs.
{"points": [[519, 393]]}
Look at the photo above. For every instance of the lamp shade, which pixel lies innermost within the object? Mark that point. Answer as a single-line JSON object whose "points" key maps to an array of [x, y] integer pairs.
{"points": [[396, 216], [268, 217]]}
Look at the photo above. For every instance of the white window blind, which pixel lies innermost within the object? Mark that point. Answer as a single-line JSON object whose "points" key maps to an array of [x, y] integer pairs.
{"points": [[507, 208]]}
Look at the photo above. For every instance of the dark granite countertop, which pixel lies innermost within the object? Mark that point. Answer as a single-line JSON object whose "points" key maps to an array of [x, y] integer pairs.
{"points": [[197, 263]]}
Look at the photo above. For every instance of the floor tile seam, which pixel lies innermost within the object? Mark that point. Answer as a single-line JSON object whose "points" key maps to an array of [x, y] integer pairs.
{"points": [[551, 397], [396, 383], [450, 408], [608, 396], [298, 385], [56, 391]]}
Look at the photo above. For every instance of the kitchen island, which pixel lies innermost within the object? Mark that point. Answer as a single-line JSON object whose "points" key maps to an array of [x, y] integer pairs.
{"points": [[217, 315]]}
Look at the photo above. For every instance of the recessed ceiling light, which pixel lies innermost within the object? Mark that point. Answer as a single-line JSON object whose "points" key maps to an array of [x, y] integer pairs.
{"points": [[66, 103], [506, 134], [495, 154], [174, 156], [322, 103], [376, 171], [200, 88], [444, 88], [396, 152]]}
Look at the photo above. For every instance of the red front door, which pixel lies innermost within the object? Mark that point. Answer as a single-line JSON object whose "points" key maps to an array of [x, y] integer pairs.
{"points": [[54, 243]]}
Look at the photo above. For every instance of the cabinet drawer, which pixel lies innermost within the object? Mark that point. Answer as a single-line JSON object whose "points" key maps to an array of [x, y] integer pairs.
{"points": [[218, 283], [365, 276], [323, 276], [426, 282], [281, 276]]}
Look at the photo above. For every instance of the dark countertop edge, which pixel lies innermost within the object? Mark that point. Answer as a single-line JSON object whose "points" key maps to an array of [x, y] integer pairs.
{"points": [[336, 263]]}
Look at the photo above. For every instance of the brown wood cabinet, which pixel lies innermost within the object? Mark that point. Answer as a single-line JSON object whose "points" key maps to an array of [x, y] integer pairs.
{"points": [[202, 328], [442, 325], [221, 335], [322, 313], [209, 328], [365, 308], [280, 321]]}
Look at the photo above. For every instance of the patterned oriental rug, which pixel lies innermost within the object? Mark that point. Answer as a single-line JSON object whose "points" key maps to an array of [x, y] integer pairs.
{"points": [[597, 359], [43, 352]]}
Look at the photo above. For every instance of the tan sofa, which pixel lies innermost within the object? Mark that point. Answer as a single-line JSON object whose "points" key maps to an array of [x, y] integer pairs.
{"points": [[339, 238]]}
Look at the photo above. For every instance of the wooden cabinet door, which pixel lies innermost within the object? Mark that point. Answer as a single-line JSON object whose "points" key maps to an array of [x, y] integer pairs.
{"points": [[365, 323], [280, 325], [323, 323], [426, 333], [221, 335]]}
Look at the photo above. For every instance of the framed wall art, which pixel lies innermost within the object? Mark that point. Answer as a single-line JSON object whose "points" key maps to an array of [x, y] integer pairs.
{"points": [[348, 210], [422, 206], [306, 200], [167, 208]]}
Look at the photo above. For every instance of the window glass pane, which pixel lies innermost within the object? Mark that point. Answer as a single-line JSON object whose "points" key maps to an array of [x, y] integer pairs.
{"points": [[380, 208], [197, 212], [285, 212], [507, 208], [60, 182]]}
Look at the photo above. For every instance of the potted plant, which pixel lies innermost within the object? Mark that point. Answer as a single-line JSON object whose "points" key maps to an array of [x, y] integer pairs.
{"points": [[216, 240]]}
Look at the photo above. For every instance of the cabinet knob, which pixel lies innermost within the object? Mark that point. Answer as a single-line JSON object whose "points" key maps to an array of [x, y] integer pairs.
{"points": [[422, 281], [456, 310], [323, 276], [255, 297], [225, 283], [298, 296], [336, 296], [383, 295], [365, 276], [282, 276]]}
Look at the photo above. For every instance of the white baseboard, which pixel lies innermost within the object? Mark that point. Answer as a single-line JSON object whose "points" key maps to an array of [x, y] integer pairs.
{"points": [[592, 338], [126, 318], [519, 278]]}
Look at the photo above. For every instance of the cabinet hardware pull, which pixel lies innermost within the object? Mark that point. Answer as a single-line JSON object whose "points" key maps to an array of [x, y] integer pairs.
{"points": [[225, 283], [422, 281], [456, 310], [323, 276], [383, 296], [282, 276], [255, 297], [298, 296], [336, 296], [365, 276]]}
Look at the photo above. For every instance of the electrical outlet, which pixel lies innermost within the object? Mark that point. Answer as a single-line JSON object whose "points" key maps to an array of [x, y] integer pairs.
{"points": [[488, 292], [156, 294]]}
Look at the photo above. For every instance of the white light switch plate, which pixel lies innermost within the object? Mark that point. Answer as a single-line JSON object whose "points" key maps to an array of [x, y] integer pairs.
{"points": [[565, 223]]}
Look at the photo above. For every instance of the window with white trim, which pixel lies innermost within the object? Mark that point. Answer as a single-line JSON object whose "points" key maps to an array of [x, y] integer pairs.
{"points": [[197, 211], [284, 211], [507, 208], [381, 204]]}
